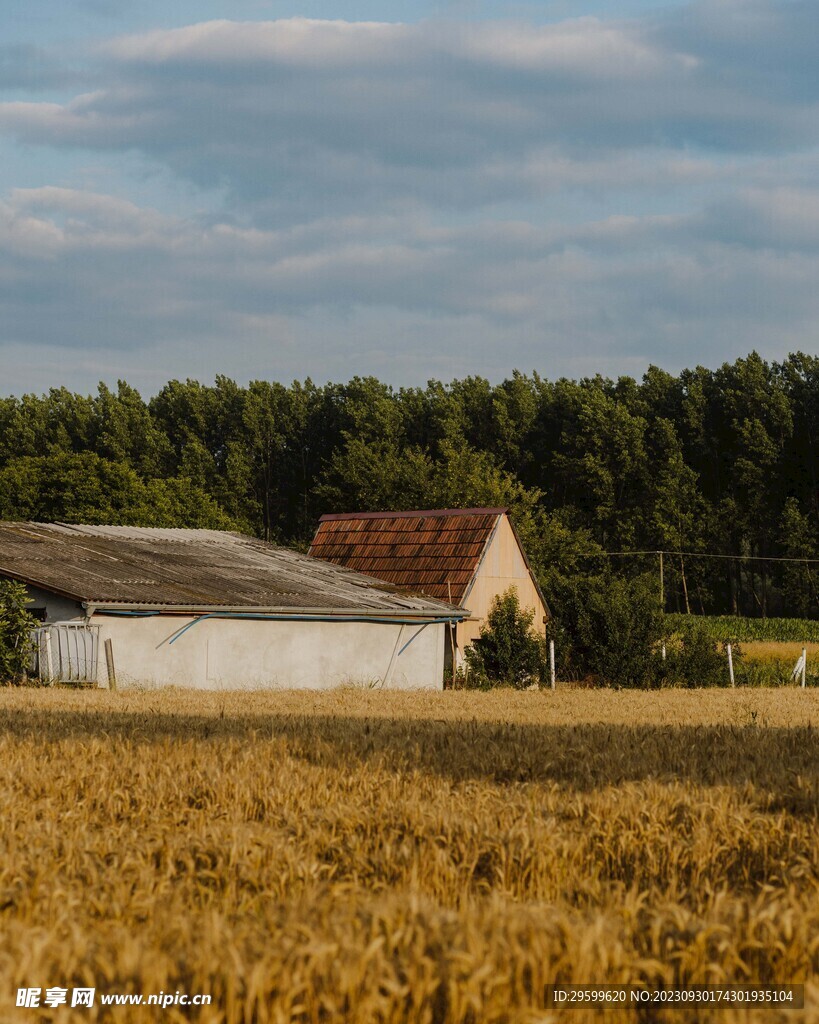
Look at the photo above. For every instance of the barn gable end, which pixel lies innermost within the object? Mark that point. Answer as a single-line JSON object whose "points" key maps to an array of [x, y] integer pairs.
{"points": [[466, 556], [503, 565]]}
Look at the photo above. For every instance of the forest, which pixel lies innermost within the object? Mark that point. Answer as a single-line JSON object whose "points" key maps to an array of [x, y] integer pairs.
{"points": [[599, 474]]}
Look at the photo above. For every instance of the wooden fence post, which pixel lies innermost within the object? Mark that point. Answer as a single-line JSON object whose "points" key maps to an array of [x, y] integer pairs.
{"points": [[552, 662], [731, 666], [109, 664]]}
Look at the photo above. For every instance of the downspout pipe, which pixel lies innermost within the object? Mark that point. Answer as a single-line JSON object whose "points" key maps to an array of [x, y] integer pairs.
{"points": [[313, 618]]}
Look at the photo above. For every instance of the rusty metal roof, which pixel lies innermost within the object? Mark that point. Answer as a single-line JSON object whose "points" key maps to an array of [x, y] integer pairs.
{"points": [[434, 551], [194, 570]]}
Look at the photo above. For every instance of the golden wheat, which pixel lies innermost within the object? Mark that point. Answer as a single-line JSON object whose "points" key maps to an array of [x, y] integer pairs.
{"points": [[785, 652], [378, 856]]}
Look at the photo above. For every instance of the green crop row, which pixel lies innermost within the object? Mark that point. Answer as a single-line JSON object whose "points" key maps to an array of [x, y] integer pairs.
{"points": [[739, 629]]}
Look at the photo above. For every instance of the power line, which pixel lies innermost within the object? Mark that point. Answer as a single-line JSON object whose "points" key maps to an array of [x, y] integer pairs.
{"points": [[704, 554]]}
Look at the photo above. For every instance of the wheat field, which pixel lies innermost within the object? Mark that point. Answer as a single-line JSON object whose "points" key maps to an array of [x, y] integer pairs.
{"points": [[784, 651], [363, 856]]}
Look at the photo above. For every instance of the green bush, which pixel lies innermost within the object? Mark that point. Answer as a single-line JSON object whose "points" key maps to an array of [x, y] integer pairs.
{"points": [[15, 631], [611, 631], [508, 652], [693, 657], [608, 629]]}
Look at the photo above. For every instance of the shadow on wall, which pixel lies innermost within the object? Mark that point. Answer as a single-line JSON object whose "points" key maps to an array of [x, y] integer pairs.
{"points": [[580, 757]]}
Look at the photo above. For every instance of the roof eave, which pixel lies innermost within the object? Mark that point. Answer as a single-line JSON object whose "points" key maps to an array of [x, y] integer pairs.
{"points": [[529, 567], [438, 610], [13, 574], [486, 546], [442, 612]]}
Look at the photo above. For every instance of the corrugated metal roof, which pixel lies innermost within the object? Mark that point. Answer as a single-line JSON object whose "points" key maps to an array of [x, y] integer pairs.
{"points": [[435, 551], [192, 569]]}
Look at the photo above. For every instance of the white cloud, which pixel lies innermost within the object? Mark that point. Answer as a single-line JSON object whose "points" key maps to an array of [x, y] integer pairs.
{"points": [[100, 273], [783, 219], [431, 198], [299, 113], [297, 41], [585, 48]]}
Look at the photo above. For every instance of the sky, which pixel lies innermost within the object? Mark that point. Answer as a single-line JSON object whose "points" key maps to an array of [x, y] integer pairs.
{"points": [[413, 190]]}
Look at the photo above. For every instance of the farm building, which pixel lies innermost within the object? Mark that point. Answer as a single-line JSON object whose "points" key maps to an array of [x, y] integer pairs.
{"points": [[463, 556], [206, 609]]}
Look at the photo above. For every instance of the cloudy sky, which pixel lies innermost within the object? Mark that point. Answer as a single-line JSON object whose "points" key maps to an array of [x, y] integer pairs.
{"points": [[409, 189]]}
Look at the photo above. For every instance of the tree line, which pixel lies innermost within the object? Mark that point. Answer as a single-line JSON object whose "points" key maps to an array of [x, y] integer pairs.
{"points": [[705, 462]]}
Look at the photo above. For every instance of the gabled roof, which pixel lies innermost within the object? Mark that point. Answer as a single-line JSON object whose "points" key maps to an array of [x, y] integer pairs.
{"points": [[434, 551], [198, 570]]}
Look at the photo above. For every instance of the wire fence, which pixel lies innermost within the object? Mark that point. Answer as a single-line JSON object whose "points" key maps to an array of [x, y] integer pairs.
{"points": [[708, 583]]}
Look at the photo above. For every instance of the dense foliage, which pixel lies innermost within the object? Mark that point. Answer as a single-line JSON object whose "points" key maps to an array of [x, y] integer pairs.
{"points": [[608, 629], [693, 658], [508, 652], [708, 461], [15, 631]]}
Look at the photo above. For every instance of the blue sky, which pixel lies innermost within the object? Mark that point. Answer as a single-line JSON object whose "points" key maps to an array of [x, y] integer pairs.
{"points": [[412, 190]]}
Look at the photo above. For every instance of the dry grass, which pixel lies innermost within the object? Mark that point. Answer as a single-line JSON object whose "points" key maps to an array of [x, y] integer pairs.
{"points": [[370, 856]]}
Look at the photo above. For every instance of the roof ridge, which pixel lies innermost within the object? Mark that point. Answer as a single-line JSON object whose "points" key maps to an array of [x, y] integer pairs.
{"points": [[413, 513]]}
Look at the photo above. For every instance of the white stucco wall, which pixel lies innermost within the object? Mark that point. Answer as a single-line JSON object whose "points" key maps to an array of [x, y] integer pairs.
{"points": [[251, 654]]}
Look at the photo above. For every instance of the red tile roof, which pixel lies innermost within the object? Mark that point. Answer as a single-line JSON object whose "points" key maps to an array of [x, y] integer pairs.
{"points": [[435, 552]]}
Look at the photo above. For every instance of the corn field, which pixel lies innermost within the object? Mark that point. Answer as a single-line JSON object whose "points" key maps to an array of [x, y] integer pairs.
{"points": [[362, 856], [737, 628]]}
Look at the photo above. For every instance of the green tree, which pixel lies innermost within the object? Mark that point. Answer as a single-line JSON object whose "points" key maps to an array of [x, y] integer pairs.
{"points": [[799, 579], [16, 625], [67, 422], [126, 432], [609, 629], [601, 463], [692, 658], [508, 652], [276, 456], [678, 511], [699, 461], [87, 489], [799, 377]]}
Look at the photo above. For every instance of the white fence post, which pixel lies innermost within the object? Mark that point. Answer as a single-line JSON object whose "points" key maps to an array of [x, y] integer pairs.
{"points": [[731, 665], [804, 665], [552, 661], [49, 668]]}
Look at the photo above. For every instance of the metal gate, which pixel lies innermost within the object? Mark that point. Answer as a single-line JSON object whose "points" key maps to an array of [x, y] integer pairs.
{"points": [[66, 652]]}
